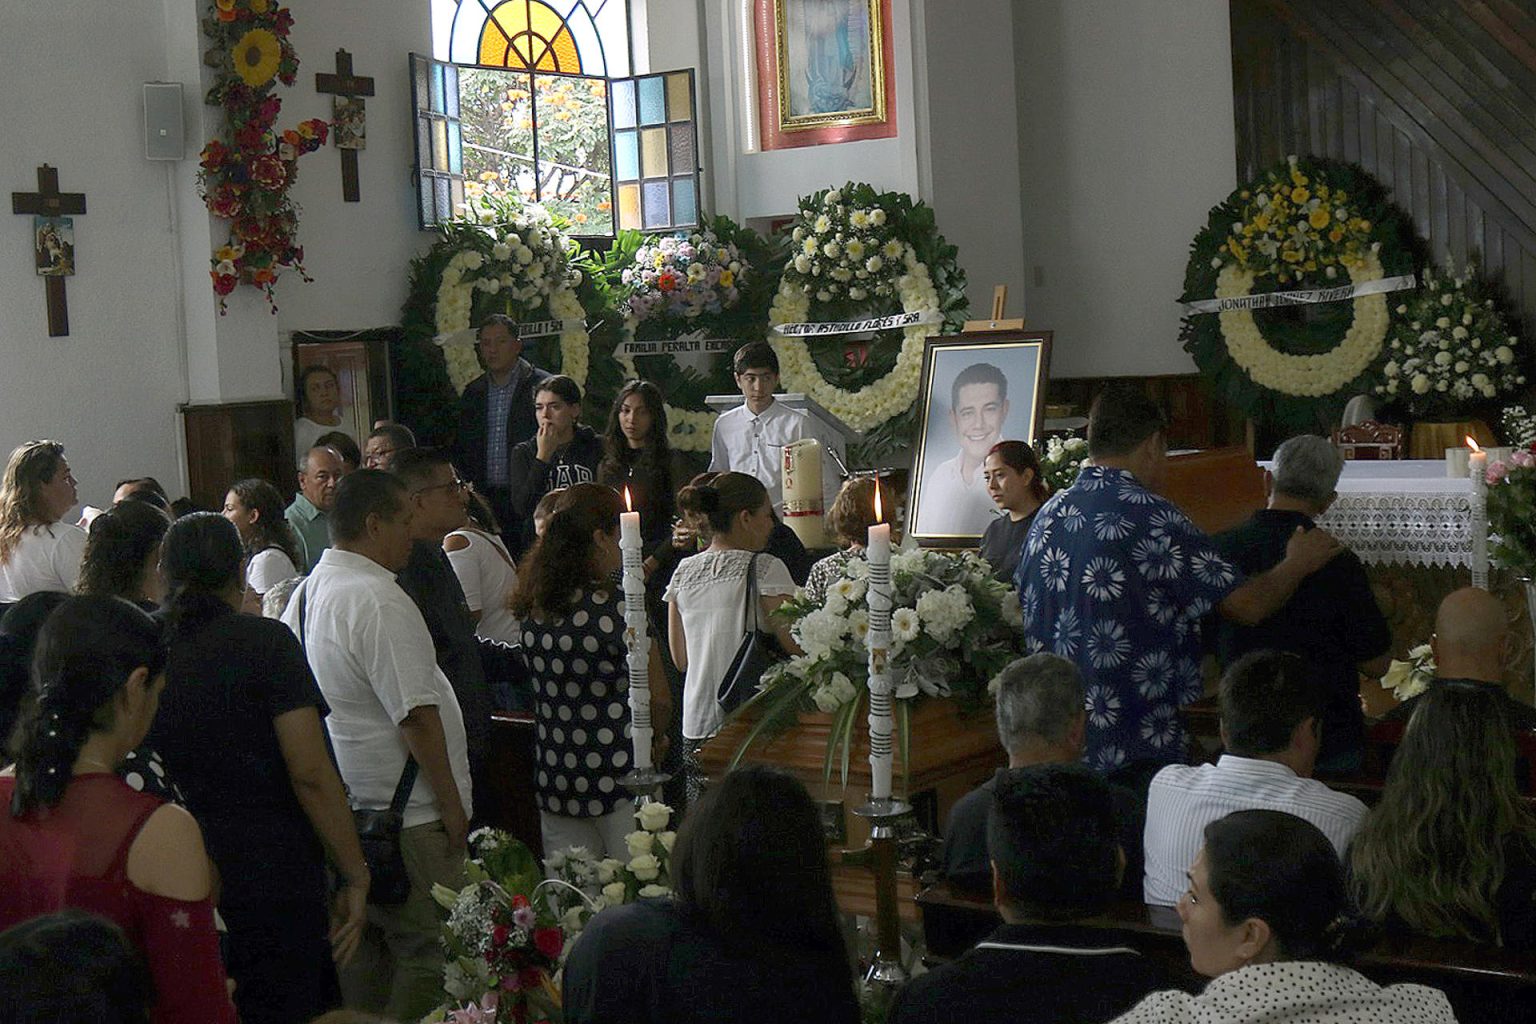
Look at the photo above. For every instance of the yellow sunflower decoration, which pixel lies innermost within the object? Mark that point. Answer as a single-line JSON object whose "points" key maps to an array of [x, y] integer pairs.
{"points": [[257, 56]]}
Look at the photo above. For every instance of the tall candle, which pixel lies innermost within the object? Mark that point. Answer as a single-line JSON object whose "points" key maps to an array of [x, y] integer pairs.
{"points": [[636, 638], [881, 689], [1477, 469]]}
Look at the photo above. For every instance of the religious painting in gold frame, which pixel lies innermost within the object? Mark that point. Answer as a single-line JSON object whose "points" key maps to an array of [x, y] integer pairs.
{"points": [[824, 71], [977, 388]]}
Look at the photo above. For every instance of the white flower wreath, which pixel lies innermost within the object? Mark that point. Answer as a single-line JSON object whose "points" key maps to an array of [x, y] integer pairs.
{"points": [[877, 402], [1305, 375]]}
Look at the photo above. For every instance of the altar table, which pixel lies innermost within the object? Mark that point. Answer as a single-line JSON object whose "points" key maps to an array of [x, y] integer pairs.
{"points": [[1404, 512]]}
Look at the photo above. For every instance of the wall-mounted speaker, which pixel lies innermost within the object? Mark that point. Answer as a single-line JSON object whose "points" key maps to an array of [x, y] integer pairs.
{"points": [[164, 134]]}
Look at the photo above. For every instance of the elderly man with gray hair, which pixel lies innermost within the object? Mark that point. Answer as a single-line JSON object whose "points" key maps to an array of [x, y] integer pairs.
{"points": [[1332, 620], [1040, 720]]}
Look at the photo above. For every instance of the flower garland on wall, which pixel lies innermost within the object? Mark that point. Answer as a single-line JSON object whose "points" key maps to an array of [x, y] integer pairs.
{"points": [[710, 284], [246, 173], [856, 254], [1451, 350], [511, 258], [1302, 225]]}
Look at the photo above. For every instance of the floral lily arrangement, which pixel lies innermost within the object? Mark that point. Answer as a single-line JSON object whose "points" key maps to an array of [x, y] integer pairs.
{"points": [[1451, 348], [246, 172], [504, 944], [1060, 459], [1408, 679], [1512, 510], [953, 628], [1519, 425], [593, 883]]}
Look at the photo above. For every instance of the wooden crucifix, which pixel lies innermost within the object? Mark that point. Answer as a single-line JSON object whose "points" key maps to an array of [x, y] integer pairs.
{"points": [[349, 117], [53, 239]]}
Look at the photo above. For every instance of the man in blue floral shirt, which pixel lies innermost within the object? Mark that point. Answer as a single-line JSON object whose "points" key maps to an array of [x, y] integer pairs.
{"points": [[1116, 578]]}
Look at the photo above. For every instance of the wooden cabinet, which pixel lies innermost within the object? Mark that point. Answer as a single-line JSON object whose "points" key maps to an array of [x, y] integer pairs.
{"points": [[229, 442]]}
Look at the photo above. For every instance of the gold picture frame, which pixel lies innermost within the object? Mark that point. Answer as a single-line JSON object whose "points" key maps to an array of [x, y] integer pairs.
{"points": [[831, 58]]}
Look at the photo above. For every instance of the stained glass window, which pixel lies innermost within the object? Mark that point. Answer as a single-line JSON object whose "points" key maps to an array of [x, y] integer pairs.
{"points": [[543, 106]]}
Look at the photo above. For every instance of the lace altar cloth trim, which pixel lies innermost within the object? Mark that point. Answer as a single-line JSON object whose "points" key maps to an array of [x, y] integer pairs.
{"points": [[1409, 529]]}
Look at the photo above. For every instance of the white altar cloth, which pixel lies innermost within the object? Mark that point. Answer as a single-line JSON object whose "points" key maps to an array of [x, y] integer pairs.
{"points": [[1405, 512]]}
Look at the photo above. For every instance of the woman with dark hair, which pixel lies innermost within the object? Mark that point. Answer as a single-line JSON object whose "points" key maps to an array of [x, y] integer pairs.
{"points": [[351, 454], [573, 632], [72, 967], [320, 408], [1264, 917], [1012, 474], [849, 519], [135, 860], [266, 793], [486, 572], [708, 593], [750, 935], [637, 454], [122, 554], [19, 627], [564, 452], [1450, 850], [271, 548], [37, 551]]}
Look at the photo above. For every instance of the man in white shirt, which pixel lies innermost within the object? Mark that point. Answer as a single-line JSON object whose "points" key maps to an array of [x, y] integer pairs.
{"points": [[954, 497], [751, 437], [370, 651], [1271, 707]]}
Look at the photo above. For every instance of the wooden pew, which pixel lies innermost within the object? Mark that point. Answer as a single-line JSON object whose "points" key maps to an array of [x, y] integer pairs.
{"points": [[1483, 983]]}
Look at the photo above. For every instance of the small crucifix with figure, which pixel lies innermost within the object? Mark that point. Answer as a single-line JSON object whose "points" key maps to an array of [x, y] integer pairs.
{"points": [[350, 117], [53, 238]]}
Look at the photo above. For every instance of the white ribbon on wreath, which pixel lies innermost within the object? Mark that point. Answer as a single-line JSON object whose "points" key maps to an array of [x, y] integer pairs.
{"points": [[1305, 375], [878, 401], [688, 430], [456, 336]]}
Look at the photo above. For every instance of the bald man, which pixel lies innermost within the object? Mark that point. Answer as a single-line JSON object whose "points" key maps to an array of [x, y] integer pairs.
{"points": [[1472, 647], [319, 472]]}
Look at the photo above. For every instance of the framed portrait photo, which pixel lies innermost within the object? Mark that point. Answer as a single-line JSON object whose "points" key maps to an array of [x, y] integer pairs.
{"points": [[977, 389], [824, 71]]}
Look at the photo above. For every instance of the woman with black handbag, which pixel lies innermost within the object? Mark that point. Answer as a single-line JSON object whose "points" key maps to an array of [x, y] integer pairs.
{"points": [[722, 600]]}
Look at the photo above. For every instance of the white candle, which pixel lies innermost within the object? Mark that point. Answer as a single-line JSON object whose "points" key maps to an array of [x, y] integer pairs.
{"points": [[1477, 469], [881, 690], [636, 637]]}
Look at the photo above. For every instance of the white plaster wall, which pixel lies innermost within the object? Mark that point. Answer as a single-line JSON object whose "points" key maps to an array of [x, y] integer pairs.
{"points": [[70, 72], [1126, 137]]}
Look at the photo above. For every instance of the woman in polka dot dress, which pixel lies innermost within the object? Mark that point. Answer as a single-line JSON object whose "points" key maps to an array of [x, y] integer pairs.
{"points": [[573, 633]]}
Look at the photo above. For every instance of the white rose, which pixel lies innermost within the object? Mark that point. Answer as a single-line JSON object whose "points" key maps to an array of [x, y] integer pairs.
{"points": [[803, 264], [877, 217], [645, 867], [1504, 354], [651, 892], [1462, 366], [825, 700], [666, 839], [1444, 321], [613, 893], [1442, 359], [1420, 384], [639, 842], [653, 817], [608, 869], [473, 260]]}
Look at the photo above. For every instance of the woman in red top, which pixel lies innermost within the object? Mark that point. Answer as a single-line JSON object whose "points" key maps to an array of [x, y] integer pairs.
{"points": [[78, 836]]}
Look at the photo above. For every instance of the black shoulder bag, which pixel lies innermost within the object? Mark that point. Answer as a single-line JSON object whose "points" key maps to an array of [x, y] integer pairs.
{"points": [[378, 831], [759, 650]]}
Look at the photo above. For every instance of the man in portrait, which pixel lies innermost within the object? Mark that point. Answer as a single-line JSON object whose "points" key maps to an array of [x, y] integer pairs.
{"points": [[954, 498]]}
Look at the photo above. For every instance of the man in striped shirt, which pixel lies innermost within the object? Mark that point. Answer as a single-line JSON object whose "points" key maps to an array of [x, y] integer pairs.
{"points": [[1271, 710]]}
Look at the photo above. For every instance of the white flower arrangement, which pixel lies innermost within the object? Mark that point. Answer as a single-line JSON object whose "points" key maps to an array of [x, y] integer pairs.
{"points": [[1060, 459], [849, 253], [1519, 426], [1451, 349], [1407, 679], [515, 251], [596, 883], [953, 627]]}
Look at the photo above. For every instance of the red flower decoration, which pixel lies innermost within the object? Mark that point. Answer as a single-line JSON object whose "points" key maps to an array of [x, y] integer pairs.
{"points": [[225, 203], [267, 171], [223, 284], [519, 901], [499, 935], [666, 281], [549, 941], [214, 154]]}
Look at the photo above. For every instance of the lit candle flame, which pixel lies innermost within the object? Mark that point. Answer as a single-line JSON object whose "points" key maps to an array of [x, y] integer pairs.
{"points": [[629, 502], [879, 513], [1473, 444]]}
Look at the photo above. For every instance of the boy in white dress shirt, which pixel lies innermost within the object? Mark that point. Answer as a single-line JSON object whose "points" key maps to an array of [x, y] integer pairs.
{"points": [[751, 437]]}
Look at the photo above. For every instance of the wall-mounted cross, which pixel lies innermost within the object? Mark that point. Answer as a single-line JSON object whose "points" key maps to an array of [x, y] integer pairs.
{"points": [[48, 201], [353, 87]]}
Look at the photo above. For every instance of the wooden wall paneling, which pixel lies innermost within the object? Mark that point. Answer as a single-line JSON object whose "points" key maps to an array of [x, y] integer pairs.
{"points": [[226, 443], [1439, 219]]}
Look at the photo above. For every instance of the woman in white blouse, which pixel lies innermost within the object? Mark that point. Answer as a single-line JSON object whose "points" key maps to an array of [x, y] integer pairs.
{"points": [[320, 408], [708, 593], [37, 551], [1264, 919], [488, 575], [271, 549]]}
